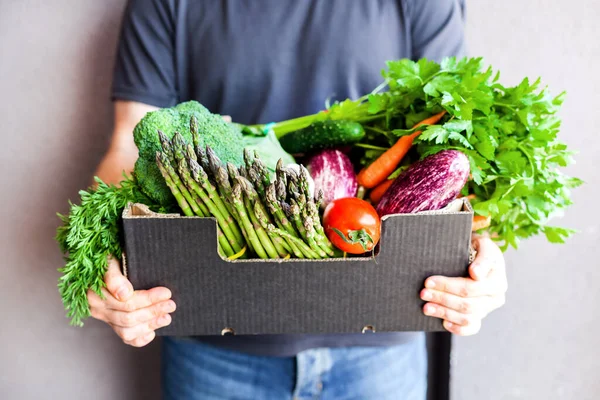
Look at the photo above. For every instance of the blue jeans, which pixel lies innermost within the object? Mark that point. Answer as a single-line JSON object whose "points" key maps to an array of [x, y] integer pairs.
{"points": [[195, 371]]}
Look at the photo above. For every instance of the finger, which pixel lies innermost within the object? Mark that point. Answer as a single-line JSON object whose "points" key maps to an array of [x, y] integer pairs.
{"points": [[131, 319], [226, 118], [139, 300], [97, 306], [477, 306], [142, 341], [116, 283], [462, 287], [468, 330], [437, 311], [141, 330], [489, 257]]}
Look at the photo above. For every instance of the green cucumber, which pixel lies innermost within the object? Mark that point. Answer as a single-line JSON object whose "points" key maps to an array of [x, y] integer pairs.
{"points": [[322, 135]]}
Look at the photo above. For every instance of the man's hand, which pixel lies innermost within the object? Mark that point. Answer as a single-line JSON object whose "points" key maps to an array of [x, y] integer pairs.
{"points": [[463, 302], [133, 315]]}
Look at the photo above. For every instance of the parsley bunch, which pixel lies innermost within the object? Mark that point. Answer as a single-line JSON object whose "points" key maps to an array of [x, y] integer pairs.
{"points": [[509, 135], [89, 234]]}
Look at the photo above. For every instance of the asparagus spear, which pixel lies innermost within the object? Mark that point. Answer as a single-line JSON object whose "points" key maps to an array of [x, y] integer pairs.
{"points": [[254, 176], [313, 238], [225, 225], [294, 212], [233, 172], [252, 238], [224, 188], [214, 163], [310, 237], [280, 244], [168, 169], [183, 204], [242, 172], [307, 251], [263, 236], [177, 147], [248, 159], [277, 212], [313, 212], [202, 158], [166, 146], [201, 177], [194, 131], [319, 198], [280, 218], [223, 244], [281, 190], [263, 171], [190, 154], [250, 199]]}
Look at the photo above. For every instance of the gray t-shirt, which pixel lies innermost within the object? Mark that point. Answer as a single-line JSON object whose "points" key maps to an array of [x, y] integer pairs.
{"points": [[269, 60]]}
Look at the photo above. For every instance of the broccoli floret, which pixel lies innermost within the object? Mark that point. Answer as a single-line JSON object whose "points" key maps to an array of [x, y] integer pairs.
{"points": [[224, 138]]}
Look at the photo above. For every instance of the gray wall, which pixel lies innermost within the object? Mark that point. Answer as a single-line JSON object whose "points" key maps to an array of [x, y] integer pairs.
{"points": [[544, 343], [55, 69]]}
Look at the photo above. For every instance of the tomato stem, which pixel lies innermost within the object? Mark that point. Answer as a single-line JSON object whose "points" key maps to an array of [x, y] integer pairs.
{"points": [[360, 236]]}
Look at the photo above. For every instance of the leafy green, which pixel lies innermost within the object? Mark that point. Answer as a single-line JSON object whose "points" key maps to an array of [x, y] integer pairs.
{"points": [[88, 235], [508, 133], [268, 148]]}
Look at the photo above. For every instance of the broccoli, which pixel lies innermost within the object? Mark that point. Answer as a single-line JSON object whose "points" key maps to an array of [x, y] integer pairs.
{"points": [[224, 138]]}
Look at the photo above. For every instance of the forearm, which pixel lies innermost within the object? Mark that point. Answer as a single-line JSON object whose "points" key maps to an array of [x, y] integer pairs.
{"points": [[122, 154], [116, 163]]}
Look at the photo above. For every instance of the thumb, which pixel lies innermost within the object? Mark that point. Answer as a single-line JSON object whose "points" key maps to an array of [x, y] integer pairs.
{"points": [[116, 283], [226, 118], [483, 263]]}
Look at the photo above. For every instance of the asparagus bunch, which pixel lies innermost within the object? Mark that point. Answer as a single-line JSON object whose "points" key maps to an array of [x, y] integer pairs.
{"points": [[276, 218]]}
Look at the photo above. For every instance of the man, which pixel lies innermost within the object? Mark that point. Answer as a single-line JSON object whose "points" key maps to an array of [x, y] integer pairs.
{"points": [[262, 61]]}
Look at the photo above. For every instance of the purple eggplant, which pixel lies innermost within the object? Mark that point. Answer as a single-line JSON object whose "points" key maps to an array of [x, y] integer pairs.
{"points": [[429, 184], [333, 172]]}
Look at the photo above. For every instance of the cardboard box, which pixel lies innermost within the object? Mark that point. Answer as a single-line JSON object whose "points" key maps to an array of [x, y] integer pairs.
{"points": [[216, 296]]}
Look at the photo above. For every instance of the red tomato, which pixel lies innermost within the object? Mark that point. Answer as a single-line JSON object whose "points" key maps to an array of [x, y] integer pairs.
{"points": [[352, 225]]}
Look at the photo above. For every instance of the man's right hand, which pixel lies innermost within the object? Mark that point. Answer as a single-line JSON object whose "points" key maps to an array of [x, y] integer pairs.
{"points": [[133, 315]]}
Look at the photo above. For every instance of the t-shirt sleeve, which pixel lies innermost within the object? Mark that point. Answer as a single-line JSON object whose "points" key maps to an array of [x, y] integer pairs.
{"points": [[145, 61], [437, 28]]}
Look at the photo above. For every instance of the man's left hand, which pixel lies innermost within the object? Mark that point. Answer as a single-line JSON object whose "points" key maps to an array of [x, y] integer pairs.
{"points": [[463, 302]]}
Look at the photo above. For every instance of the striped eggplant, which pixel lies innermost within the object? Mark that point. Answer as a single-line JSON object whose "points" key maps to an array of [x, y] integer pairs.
{"points": [[332, 172], [428, 184]]}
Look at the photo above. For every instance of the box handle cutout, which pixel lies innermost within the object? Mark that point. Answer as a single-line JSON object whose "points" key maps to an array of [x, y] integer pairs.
{"points": [[227, 332], [368, 328]]}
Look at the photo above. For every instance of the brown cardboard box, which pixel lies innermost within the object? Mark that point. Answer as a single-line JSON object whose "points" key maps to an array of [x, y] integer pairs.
{"points": [[216, 296]]}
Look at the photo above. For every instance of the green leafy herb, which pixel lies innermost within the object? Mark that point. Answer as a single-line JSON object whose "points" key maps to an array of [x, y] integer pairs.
{"points": [[508, 133], [89, 235]]}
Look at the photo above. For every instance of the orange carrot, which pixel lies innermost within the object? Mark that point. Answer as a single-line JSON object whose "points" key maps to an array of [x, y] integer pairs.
{"points": [[480, 222], [386, 163], [377, 192], [469, 197]]}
